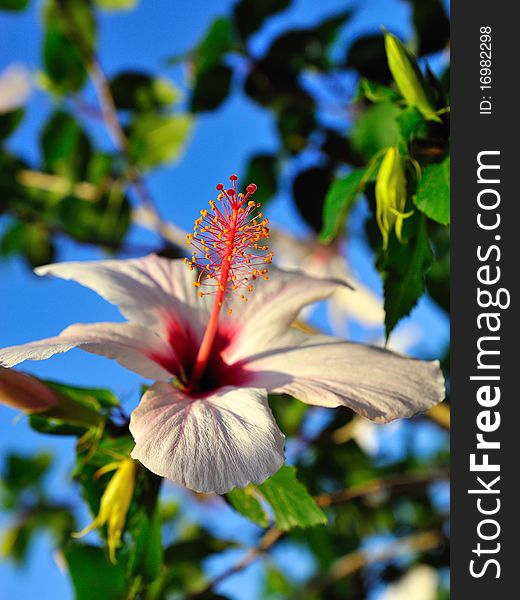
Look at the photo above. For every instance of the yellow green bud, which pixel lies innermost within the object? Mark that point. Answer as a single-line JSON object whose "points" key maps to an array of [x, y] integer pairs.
{"points": [[408, 77], [115, 503], [391, 195]]}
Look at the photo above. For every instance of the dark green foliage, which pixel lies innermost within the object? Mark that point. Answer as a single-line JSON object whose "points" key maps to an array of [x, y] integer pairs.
{"points": [[211, 88], [404, 270], [14, 5], [262, 169], [367, 56], [310, 190], [249, 15], [93, 576]]}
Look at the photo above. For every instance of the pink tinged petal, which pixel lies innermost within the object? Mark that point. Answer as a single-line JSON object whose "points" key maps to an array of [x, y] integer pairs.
{"points": [[272, 306], [151, 291], [133, 346], [209, 444], [376, 383]]}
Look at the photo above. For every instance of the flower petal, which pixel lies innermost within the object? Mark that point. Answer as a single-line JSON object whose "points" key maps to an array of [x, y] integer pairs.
{"points": [[209, 444], [131, 345], [149, 290], [376, 383], [272, 307]]}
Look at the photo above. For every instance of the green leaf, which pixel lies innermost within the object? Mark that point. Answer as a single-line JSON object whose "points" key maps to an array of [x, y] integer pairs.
{"points": [[146, 557], [31, 240], [438, 277], [212, 86], [376, 129], [116, 4], [410, 122], [93, 576], [250, 14], [14, 5], [157, 140], [54, 426], [9, 121], [25, 471], [65, 146], [433, 192], [63, 62], [246, 502], [63, 58], [292, 504], [104, 221], [289, 500], [404, 271], [134, 90], [262, 169], [217, 42], [340, 197]]}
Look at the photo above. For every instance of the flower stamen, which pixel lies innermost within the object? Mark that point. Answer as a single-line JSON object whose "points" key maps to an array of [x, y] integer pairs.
{"points": [[228, 251]]}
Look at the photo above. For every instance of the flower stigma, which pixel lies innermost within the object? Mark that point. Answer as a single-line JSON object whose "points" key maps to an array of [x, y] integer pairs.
{"points": [[231, 256]]}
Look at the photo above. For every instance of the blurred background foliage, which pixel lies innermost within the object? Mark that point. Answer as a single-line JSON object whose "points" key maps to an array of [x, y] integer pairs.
{"points": [[372, 521]]}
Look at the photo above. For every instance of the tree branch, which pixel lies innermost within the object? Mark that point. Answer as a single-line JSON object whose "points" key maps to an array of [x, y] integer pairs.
{"points": [[353, 562], [114, 128], [360, 557]]}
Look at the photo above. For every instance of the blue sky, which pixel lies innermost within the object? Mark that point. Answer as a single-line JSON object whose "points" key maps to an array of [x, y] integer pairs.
{"points": [[32, 308]]}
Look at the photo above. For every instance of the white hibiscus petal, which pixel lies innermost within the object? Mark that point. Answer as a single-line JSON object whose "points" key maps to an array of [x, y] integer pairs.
{"points": [[271, 308], [133, 346], [376, 383], [149, 290], [211, 444]]}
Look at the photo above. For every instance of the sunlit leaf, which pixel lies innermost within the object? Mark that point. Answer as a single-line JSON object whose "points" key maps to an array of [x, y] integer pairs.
{"points": [[433, 192], [116, 4], [247, 503], [157, 140], [292, 504]]}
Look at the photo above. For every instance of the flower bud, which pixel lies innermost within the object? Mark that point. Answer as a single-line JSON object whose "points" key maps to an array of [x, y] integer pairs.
{"points": [[408, 77], [391, 195], [24, 392], [115, 503]]}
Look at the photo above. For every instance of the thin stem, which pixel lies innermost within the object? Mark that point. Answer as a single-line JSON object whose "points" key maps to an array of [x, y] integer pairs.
{"points": [[420, 541], [354, 561], [111, 118]]}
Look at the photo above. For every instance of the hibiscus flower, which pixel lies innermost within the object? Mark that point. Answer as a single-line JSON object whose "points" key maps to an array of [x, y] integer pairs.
{"points": [[206, 423]]}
